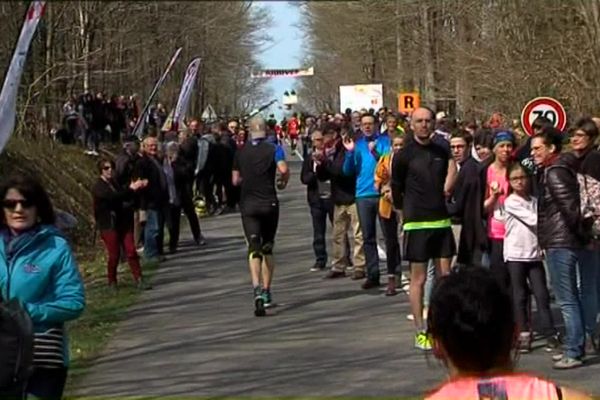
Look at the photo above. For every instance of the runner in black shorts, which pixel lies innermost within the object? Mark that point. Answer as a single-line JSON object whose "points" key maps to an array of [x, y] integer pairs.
{"points": [[254, 168], [422, 174]]}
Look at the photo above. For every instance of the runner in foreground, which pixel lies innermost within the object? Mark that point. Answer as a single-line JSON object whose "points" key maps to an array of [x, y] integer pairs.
{"points": [[473, 330], [254, 169]]}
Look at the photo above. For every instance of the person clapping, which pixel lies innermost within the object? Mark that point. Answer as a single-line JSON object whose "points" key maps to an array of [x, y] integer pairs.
{"points": [[113, 213]]}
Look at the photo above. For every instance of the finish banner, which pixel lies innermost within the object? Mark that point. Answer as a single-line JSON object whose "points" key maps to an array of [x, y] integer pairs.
{"points": [[278, 73], [8, 96]]}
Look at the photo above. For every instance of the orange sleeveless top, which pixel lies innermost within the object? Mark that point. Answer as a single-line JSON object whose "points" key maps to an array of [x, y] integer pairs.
{"points": [[507, 387]]}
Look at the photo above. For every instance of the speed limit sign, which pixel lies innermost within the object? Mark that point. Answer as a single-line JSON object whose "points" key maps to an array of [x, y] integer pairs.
{"points": [[543, 107]]}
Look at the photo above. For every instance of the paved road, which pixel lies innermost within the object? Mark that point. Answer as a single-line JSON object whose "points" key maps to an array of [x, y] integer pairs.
{"points": [[195, 333]]}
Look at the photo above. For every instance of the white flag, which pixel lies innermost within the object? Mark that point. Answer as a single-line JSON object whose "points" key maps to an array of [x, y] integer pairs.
{"points": [[8, 96], [186, 91]]}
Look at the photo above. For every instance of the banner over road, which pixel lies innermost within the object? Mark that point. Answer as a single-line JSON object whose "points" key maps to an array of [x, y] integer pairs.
{"points": [[277, 73]]}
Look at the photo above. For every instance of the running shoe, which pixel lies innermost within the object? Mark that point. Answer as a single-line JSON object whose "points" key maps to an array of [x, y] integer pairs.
{"points": [[567, 363], [267, 298], [259, 303], [422, 341]]}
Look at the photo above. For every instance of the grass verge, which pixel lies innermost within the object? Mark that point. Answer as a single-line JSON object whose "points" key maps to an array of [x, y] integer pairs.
{"points": [[105, 308]]}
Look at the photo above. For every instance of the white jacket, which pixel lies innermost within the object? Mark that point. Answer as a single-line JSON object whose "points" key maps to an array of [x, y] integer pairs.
{"points": [[520, 240]]}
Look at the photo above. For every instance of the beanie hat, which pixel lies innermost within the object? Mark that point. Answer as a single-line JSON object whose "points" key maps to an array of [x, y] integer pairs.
{"points": [[504, 136]]}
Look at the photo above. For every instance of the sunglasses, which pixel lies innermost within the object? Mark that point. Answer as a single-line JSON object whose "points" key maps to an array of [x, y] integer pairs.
{"points": [[11, 204], [106, 167]]}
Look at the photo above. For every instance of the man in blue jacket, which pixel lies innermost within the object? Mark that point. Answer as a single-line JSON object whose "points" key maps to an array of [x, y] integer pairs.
{"points": [[360, 160]]}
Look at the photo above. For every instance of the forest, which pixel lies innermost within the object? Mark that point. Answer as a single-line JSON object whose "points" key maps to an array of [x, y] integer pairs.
{"points": [[471, 56], [121, 47]]}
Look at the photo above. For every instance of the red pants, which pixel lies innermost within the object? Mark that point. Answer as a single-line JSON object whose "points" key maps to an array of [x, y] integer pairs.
{"points": [[113, 240]]}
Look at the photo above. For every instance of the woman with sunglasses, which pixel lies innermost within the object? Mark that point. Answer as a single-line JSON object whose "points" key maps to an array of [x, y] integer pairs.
{"points": [[113, 213], [37, 267]]}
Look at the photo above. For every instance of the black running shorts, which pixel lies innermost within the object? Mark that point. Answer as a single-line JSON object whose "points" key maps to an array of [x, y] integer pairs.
{"points": [[260, 227], [421, 245]]}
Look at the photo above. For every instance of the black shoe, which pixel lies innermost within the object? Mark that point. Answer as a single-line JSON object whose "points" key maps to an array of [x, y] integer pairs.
{"points": [[201, 241], [317, 267], [370, 284], [141, 284], [553, 343], [332, 274]]}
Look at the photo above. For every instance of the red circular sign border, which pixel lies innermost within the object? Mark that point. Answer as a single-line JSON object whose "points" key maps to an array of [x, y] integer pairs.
{"points": [[561, 114]]}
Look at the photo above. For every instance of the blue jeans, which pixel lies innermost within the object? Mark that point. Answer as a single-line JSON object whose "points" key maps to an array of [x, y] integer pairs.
{"points": [[589, 265], [368, 211], [562, 264], [151, 232]]}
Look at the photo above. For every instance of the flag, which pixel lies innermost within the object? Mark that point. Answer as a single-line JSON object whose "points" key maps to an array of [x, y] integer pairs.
{"points": [[8, 96], [186, 92], [138, 130]]}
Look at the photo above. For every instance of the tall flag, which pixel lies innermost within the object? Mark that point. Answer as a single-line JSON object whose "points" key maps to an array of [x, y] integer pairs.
{"points": [[138, 130], [186, 92], [8, 96]]}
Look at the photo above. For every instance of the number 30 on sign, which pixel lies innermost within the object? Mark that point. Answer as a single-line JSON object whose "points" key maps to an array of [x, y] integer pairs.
{"points": [[546, 107]]}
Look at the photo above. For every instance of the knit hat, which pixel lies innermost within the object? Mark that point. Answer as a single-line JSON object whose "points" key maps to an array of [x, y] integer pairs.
{"points": [[504, 136]]}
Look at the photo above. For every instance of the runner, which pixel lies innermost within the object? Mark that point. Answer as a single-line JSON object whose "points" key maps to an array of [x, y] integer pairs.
{"points": [[473, 331], [293, 128], [254, 169], [422, 174]]}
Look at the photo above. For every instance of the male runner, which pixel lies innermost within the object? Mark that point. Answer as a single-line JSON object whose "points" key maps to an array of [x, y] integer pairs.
{"points": [[423, 174], [254, 169]]}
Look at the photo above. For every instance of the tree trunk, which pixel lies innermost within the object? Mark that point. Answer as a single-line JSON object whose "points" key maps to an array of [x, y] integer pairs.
{"points": [[429, 93]]}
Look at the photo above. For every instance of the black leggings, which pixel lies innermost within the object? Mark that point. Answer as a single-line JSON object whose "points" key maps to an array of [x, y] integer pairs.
{"points": [[497, 264], [525, 275], [260, 227], [389, 227], [47, 383]]}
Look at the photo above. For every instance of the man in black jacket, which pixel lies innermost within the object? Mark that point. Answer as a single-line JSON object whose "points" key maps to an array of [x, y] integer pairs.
{"points": [[345, 214], [153, 198], [319, 197], [186, 165]]}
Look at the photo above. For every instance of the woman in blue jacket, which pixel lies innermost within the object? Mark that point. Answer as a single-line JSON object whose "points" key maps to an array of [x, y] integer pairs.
{"points": [[38, 268]]}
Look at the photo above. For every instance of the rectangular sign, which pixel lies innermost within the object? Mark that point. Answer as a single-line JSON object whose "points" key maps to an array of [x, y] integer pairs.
{"points": [[408, 102], [356, 97]]}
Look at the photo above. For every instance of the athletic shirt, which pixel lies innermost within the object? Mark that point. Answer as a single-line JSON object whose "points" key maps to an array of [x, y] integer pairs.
{"points": [[508, 387], [421, 172], [293, 126], [495, 220], [257, 164]]}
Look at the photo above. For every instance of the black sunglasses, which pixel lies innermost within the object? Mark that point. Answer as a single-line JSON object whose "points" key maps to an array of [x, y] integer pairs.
{"points": [[106, 167], [11, 204]]}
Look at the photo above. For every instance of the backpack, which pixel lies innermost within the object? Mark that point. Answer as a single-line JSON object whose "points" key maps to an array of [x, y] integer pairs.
{"points": [[16, 342], [589, 193]]}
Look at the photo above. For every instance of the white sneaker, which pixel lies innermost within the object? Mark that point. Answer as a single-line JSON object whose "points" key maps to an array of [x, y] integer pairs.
{"points": [[411, 317]]}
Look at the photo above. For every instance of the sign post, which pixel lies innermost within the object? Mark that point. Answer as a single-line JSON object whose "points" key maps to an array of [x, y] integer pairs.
{"points": [[408, 102], [546, 107]]}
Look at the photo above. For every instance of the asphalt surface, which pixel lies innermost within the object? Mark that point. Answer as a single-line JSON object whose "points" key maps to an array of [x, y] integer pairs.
{"points": [[195, 334]]}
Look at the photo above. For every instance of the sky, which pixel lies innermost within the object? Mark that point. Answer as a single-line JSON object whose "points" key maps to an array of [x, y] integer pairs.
{"points": [[286, 49]]}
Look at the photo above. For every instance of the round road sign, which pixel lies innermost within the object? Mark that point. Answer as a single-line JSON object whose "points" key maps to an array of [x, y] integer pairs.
{"points": [[543, 107]]}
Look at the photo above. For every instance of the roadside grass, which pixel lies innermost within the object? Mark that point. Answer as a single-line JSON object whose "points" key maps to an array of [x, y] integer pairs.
{"points": [[105, 308]]}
